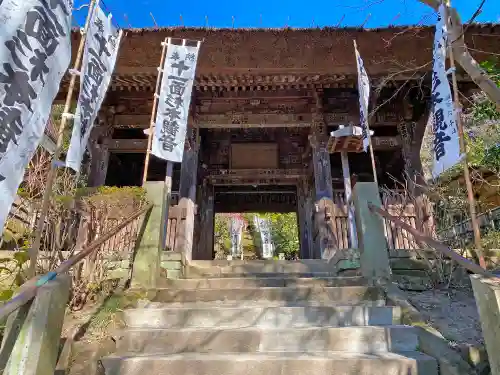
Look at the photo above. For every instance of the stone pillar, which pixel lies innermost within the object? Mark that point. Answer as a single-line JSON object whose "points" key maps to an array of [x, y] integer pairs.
{"points": [[487, 293], [324, 237], [98, 146], [205, 247], [374, 255], [187, 198], [304, 217], [146, 270], [32, 336]]}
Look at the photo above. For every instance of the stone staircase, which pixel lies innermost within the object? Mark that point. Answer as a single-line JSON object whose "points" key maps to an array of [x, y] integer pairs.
{"points": [[266, 317]]}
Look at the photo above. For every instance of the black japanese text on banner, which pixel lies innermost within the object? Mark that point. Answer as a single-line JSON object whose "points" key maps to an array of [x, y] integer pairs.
{"points": [[175, 98], [364, 97], [446, 137], [35, 51], [99, 59]]}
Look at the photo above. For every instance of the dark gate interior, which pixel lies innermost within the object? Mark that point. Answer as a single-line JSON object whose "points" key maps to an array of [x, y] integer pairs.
{"points": [[255, 198]]}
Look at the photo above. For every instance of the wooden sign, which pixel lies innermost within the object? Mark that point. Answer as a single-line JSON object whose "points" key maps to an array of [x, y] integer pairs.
{"points": [[254, 155]]}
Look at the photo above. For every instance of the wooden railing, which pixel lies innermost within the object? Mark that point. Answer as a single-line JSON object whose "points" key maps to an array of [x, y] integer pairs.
{"points": [[30, 288], [442, 248]]}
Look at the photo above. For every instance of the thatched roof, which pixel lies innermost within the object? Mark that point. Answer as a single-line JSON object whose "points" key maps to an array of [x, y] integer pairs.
{"points": [[286, 56]]}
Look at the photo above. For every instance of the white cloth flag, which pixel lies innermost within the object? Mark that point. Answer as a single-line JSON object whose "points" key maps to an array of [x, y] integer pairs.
{"points": [[267, 243], [364, 96], [235, 229], [446, 138], [99, 59], [175, 97], [35, 51], [265, 234]]}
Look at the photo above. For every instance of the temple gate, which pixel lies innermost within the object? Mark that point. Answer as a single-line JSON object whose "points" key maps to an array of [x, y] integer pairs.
{"points": [[261, 117]]}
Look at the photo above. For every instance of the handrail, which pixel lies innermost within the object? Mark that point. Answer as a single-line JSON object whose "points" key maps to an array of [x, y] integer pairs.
{"points": [[30, 288], [464, 262]]}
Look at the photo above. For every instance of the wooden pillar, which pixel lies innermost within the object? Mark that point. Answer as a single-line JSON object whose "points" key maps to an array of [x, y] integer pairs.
{"points": [[204, 249], [353, 237], [187, 197], [189, 169], [304, 217], [323, 210], [414, 122], [98, 145]]}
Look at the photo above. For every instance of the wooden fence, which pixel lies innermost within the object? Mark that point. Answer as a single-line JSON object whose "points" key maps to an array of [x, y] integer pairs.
{"points": [[174, 218], [397, 238], [462, 231]]}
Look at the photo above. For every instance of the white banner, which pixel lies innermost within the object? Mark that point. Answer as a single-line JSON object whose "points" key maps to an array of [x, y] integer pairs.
{"points": [[175, 97], [446, 141], [264, 228], [35, 51], [101, 50], [364, 96], [235, 230]]}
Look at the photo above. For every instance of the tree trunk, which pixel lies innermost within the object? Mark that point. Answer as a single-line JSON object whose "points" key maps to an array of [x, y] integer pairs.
{"points": [[464, 58]]}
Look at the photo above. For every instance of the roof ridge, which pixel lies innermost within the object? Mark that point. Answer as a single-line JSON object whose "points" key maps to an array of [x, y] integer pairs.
{"points": [[295, 29]]}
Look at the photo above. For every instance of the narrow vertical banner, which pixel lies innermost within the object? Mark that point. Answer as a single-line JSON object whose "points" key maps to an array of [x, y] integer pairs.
{"points": [[99, 59], [364, 97], [174, 100], [235, 230], [35, 52], [267, 244], [264, 229], [446, 137]]}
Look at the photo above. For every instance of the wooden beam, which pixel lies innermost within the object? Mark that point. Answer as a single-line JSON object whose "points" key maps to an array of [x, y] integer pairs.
{"points": [[138, 121], [128, 145], [249, 120], [256, 176], [387, 143], [139, 145]]}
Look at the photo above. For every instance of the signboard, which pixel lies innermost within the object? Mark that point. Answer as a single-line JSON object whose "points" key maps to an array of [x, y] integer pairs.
{"points": [[254, 156]]}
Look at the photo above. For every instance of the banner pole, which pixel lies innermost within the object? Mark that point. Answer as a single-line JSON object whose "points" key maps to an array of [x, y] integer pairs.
{"points": [[153, 111], [372, 155], [35, 248], [463, 150]]}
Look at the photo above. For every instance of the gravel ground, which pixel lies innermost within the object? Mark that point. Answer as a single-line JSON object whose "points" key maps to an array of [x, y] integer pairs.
{"points": [[453, 312]]}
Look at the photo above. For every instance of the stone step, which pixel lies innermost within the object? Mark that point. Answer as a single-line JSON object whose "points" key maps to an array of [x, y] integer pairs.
{"points": [[277, 265], [262, 317], [275, 282], [256, 268], [341, 295], [211, 274], [247, 340], [333, 363]]}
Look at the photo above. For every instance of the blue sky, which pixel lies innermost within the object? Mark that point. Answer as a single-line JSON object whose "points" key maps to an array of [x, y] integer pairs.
{"points": [[281, 13]]}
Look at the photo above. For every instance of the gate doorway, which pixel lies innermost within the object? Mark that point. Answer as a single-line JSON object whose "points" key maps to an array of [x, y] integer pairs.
{"points": [[243, 210]]}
